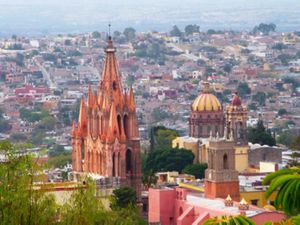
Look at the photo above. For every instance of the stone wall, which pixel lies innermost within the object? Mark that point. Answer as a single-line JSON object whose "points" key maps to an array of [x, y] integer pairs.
{"points": [[265, 154]]}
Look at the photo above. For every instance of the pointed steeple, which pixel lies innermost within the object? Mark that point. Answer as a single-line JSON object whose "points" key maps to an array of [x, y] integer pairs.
{"points": [[105, 103], [100, 99], [74, 129], [131, 99], [113, 127], [111, 83], [82, 120], [91, 98]]}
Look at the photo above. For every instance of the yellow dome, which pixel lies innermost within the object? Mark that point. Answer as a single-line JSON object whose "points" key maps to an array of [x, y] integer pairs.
{"points": [[206, 102]]}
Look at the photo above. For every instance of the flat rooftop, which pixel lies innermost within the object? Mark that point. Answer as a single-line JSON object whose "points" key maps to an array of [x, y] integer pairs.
{"points": [[218, 205]]}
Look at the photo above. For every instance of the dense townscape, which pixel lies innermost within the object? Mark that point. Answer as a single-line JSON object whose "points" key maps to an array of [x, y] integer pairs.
{"points": [[195, 119]]}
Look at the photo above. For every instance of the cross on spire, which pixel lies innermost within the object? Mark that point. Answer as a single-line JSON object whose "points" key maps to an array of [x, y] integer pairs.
{"points": [[109, 26]]}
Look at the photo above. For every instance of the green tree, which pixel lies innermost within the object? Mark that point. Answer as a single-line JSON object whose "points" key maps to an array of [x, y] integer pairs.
{"points": [[252, 106], [83, 207], [122, 198], [286, 138], [149, 179], [229, 220], [96, 35], [243, 89], [282, 112], [20, 203], [260, 135], [295, 146], [168, 159], [129, 33], [287, 183], [4, 125], [18, 137], [56, 150], [159, 114], [279, 46], [68, 42], [190, 29], [285, 59], [175, 32], [264, 28], [164, 137], [60, 161], [130, 80], [198, 170], [260, 98]]}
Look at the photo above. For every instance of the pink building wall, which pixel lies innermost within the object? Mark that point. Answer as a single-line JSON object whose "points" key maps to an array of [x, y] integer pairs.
{"points": [[169, 207]]}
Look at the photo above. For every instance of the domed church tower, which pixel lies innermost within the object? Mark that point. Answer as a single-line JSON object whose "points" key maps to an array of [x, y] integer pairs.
{"points": [[106, 139], [236, 120], [207, 116]]}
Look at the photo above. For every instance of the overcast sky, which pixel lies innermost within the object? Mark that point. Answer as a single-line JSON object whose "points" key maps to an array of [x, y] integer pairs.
{"points": [[62, 16]]}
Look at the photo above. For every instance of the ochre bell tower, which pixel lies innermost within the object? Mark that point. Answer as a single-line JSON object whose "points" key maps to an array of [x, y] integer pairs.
{"points": [[221, 178], [236, 121], [236, 124], [106, 139]]}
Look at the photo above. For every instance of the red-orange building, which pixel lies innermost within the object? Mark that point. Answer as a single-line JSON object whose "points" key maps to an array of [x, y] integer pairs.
{"points": [[106, 139]]}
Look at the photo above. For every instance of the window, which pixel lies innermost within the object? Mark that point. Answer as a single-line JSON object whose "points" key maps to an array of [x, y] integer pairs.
{"points": [[126, 125], [225, 162], [119, 123], [264, 157], [114, 85], [254, 201], [180, 211], [128, 161], [82, 150], [114, 165]]}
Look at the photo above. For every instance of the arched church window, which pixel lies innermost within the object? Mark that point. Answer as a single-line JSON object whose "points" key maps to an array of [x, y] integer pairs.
{"points": [[82, 150], [113, 165], [101, 125], [225, 162], [128, 161], [126, 125], [119, 122], [114, 85]]}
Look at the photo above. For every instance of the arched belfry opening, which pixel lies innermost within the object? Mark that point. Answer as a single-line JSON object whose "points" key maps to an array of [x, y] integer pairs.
{"points": [[126, 125], [113, 165], [82, 150], [119, 122], [128, 161], [225, 162]]}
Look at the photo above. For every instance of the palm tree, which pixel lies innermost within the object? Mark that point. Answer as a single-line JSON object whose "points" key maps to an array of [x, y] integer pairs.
{"points": [[287, 182], [291, 221], [229, 220]]}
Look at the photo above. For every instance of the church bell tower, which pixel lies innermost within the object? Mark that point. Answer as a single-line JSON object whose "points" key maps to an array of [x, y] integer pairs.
{"points": [[221, 178]]}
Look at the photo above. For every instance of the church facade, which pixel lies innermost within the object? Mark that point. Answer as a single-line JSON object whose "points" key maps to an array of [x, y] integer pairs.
{"points": [[106, 140]]}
